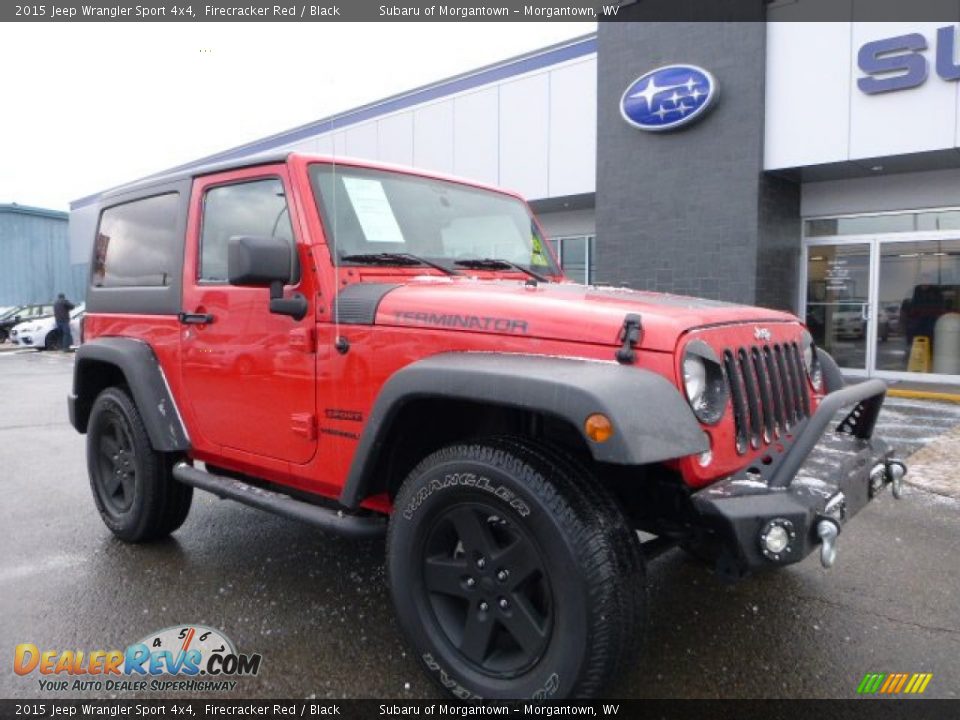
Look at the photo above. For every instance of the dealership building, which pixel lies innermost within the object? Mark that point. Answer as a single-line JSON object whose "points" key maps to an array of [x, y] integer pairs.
{"points": [[807, 166]]}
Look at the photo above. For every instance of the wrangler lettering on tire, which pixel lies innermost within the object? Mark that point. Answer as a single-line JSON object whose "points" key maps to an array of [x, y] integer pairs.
{"points": [[466, 480]]}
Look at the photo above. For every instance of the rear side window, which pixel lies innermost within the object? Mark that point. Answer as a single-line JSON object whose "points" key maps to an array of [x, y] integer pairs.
{"points": [[257, 208], [136, 243]]}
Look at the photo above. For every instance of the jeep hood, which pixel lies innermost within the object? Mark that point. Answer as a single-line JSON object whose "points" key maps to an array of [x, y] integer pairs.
{"points": [[556, 311]]}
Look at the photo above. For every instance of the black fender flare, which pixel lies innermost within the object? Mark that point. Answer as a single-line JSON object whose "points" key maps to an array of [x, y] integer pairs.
{"points": [[142, 373], [651, 419], [832, 377]]}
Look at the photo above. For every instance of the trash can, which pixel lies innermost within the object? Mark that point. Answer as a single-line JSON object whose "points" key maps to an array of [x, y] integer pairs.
{"points": [[946, 344]]}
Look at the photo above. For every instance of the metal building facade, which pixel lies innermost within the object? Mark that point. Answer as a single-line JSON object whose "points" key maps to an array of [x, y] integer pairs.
{"points": [[35, 257]]}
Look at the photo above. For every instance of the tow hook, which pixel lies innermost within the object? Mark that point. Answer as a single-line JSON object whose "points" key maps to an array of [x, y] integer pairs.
{"points": [[896, 469], [828, 530]]}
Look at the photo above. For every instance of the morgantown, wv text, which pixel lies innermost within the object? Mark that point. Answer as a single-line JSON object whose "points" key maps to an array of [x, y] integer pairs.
{"points": [[473, 710], [482, 11]]}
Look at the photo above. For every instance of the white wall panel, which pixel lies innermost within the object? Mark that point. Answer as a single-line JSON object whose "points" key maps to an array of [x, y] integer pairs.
{"points": [[573, 129], [325, 144], [476, 136], [900, 191], [308, 145], [807, 93], [904, 121], [340, 143], [524, 148], [362, 141], [396, 139], [433, 137]]}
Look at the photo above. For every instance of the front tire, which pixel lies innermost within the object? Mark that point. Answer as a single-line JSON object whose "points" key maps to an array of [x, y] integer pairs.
{"points": [[132, 483], [514, 573], [52, 341]]}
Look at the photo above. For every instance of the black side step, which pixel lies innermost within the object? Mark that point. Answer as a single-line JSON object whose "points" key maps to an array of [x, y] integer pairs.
{"points": [[336, 521]]}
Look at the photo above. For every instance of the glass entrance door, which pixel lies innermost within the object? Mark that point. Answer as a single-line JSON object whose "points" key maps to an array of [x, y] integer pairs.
{"points": [[839, 301], [918, 313]]}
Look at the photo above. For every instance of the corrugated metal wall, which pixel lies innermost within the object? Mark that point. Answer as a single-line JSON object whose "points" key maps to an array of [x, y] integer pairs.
{"points": [[35, 258]]}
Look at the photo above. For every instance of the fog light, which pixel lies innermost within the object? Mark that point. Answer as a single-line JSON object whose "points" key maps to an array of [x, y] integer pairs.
{"points": [[775, 538], [598, 428]]}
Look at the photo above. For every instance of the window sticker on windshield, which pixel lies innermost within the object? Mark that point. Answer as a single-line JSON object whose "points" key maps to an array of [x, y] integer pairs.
{"points": [[373, 210]]}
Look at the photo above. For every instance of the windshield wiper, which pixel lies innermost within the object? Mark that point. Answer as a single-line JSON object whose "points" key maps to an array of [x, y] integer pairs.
{"points": [[403, 259], [501, 264]]}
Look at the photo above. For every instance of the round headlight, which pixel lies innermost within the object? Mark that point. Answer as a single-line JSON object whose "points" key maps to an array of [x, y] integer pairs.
{"points": [[811, 363], [694, 378], [704, 383]]}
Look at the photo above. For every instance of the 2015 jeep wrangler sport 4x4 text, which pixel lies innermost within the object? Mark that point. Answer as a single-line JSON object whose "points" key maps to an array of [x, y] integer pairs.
{"points": [[380, 350]]}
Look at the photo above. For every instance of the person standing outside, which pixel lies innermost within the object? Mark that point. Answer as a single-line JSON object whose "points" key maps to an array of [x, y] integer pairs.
{"points": [[61, 314]]}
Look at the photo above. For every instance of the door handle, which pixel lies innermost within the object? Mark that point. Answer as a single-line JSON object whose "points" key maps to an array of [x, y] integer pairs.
{"points": [[195, 318]]}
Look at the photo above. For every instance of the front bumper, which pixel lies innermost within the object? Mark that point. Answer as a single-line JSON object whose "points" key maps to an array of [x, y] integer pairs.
{"points": [[809, 489]]}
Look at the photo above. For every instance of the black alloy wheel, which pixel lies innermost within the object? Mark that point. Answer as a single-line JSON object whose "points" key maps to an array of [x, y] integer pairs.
{"points": [[485, 584], [116, 480]]}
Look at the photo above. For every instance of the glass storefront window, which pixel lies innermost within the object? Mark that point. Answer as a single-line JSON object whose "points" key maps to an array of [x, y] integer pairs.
{"points": [[881, 224], [576, 257], [919, 307]]}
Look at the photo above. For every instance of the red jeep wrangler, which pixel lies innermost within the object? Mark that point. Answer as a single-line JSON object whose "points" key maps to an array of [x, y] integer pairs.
{"points": [[380, 350]]}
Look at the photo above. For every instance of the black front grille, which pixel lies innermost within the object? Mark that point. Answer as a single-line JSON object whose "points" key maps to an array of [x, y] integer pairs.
{"points": [[768, 392]]}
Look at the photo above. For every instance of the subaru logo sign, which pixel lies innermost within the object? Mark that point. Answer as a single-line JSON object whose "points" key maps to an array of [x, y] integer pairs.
{"points": [[668, 97]]}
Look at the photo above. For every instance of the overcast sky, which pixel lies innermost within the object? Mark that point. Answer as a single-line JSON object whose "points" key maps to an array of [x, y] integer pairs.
{"points": [[89, 105]]}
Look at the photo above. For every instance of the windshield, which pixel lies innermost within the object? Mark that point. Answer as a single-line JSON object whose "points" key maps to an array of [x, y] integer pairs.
{"points": [[368, 212]]}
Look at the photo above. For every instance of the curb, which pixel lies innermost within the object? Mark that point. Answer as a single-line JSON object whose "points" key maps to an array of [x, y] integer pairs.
{"points": [[924, 395]]}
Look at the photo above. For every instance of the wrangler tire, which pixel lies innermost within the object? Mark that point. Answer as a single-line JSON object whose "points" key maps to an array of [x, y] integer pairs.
{"points": [[132, 483], [514, 573]]}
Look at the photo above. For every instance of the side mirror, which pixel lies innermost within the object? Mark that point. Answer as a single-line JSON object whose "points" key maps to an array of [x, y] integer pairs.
{"points": [[265, 262], [258, 261]]}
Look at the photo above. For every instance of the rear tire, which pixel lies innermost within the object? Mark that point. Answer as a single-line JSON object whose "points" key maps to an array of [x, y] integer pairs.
{"points": [[132, 483], [514, 573]]}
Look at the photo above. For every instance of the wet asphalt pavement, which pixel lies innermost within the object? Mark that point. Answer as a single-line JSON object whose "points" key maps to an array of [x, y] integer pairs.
{"points": [[317, 608]]}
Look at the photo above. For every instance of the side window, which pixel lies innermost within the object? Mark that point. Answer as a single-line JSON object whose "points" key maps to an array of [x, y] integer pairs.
{"points": [[136, 243], [257, 208]]}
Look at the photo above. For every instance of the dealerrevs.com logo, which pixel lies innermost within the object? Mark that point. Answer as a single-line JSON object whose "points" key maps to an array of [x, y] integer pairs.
{"points": [[200, 658]]}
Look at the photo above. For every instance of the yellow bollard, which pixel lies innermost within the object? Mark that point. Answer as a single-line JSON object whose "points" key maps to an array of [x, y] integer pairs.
{"points": [[919, 355]]}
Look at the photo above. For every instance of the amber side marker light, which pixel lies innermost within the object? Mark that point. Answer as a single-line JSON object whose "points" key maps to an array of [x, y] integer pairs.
{"points": [[598, 428]]}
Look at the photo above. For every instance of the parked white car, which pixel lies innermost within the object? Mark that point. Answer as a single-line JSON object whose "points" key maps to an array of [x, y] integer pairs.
{"points": [[43, 334]]}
